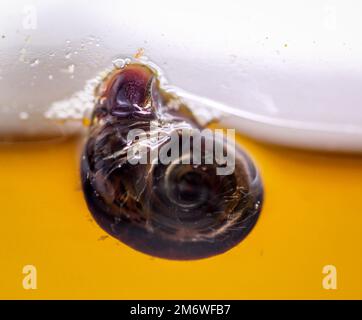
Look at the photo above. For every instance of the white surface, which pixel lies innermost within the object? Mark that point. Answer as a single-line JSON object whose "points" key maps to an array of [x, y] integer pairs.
{"points": [[289, 71]]}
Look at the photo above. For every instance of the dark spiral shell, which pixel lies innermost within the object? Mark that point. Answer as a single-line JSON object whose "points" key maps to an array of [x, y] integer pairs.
{"points": [[176, 210]]}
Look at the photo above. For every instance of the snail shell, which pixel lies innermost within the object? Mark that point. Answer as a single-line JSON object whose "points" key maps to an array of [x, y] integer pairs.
{"points": [[174, 210]]}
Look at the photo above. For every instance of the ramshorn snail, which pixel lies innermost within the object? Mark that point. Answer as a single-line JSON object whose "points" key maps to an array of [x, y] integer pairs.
{"points": [[142, 194]]}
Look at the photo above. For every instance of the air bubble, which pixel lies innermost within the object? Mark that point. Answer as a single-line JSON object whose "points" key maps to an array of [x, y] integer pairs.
{"points": [[120, 63]]}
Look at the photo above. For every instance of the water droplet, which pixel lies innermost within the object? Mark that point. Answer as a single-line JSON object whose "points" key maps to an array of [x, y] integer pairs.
{"points": [[71, 68], [50, 77], [23, 115], [68, 55], [22, 55], [35, 62]]}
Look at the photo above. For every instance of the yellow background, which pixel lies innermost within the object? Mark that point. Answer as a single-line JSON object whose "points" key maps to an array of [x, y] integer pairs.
{"points": [[312, 217]]}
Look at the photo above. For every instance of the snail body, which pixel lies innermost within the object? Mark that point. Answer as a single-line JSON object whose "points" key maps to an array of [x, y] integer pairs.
{"points": [[166, 205]]}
